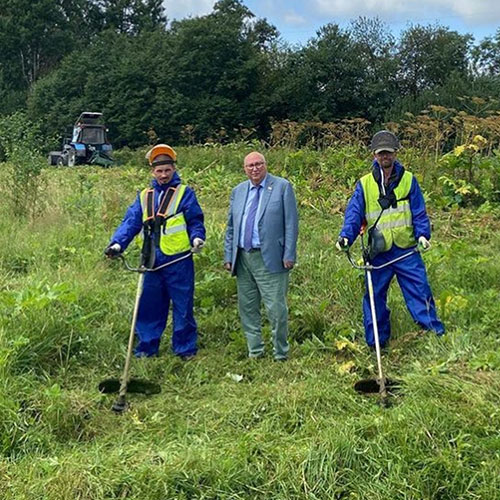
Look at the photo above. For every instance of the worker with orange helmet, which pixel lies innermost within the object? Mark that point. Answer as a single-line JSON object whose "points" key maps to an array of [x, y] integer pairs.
{"points": [[181, 232]]}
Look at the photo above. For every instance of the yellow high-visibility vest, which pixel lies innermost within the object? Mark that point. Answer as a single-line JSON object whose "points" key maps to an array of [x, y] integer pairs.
{"points": [[174, 237], [394, 223]]}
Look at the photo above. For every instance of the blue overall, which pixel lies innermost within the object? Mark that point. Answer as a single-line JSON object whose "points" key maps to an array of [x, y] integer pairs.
{"points": [[410, 272], [172, 284]]}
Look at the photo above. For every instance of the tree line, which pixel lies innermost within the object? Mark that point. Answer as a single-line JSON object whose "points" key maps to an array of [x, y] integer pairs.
{"points": [[227, 74]]}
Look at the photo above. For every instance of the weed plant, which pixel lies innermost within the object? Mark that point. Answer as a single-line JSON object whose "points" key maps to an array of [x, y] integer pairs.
{"points": [[224, 426]]}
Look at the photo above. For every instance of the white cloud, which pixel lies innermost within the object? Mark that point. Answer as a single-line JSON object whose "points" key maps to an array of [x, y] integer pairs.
{"points": [[470, 12], [178, 9], [291, 17]]}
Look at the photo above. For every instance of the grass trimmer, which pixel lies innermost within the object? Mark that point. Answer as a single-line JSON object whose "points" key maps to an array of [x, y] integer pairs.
{"points": [[134, 385], [124, 385], [381, 384]]}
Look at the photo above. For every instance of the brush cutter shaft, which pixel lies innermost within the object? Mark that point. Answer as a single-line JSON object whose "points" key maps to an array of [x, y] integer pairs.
{"points": [[124, 380], [120, 404], [383, 391]]}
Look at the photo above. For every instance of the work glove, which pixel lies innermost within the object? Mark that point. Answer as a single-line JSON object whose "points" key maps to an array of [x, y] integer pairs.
{"points": [[198, 244], [423, 243], [342, 244], [113, 250]]}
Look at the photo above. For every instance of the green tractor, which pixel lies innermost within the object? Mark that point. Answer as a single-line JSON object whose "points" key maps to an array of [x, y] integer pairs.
{"points": [[88, 144]]}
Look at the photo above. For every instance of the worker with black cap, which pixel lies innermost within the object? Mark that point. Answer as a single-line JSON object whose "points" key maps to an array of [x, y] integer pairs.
{"points": [[390, 202], [181, 233]]}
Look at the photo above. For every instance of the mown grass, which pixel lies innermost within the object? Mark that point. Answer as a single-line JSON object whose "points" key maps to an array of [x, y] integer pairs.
{"points": [[286, 430]]}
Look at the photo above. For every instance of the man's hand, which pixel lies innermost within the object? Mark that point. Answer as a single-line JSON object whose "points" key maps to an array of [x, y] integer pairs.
{"points": [[227, 266], [198, 244], [423, 243], [342, 244], [113, 251], [288, 264]]}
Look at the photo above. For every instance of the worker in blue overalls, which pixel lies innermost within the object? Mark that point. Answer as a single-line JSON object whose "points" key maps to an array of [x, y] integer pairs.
{"points": [[182, 232], [390, 202]]}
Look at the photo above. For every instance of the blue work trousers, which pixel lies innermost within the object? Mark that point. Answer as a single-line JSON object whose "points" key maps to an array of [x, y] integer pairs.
{"points": [[412, 279], [173, 284]]}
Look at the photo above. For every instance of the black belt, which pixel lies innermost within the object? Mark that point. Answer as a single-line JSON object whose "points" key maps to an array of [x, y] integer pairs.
{"points": [[251, 250]]}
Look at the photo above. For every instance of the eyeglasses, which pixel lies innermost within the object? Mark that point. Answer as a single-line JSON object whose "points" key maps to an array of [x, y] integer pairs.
{"points": [[255, 165]]}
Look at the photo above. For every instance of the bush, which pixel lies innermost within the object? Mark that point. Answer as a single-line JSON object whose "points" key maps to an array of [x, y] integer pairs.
{"points": [[20, 140]]}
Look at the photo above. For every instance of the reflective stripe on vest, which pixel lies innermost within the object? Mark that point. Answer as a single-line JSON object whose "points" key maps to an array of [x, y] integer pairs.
{"points": [[176, 199], [173, 230], [394, 223], [388, 211], [174, 237]]}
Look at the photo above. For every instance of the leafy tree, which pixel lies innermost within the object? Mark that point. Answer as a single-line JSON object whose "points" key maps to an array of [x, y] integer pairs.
{"points": [[428, 56], [215, 71], [214, 74], [129, 16], [36, 36], [113, 76], [486, 56], [375, 47], [322, 80], [33, 38]]}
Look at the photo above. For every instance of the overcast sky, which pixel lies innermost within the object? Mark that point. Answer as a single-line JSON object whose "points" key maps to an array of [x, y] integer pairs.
{"points": [[298, 21]]}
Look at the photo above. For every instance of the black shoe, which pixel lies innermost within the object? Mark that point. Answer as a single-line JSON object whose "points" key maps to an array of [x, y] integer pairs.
{"points": [[188, 357], [143, 354], [257, 356]]}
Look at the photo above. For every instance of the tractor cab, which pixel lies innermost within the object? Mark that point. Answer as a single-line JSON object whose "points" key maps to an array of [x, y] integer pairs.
{"points": [[88, 143], [88, 130]]}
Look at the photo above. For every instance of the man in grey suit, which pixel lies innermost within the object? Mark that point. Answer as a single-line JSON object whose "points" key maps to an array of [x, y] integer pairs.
{"points": [[260, 249]]}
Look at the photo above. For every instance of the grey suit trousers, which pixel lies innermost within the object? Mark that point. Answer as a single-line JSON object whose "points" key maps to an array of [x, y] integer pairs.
{"points": [[255, 284]]}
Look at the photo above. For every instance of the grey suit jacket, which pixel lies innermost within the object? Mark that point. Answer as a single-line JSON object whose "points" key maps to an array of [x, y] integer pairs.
{"points": [[277, 222]]}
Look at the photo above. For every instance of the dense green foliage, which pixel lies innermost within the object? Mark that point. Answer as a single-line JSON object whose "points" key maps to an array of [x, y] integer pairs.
{"points": [[286, 430], [226, 74]]}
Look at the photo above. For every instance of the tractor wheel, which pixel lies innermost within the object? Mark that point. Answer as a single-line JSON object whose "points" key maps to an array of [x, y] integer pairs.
{"points": [[71, 158], [52, 158], [61, 161]]}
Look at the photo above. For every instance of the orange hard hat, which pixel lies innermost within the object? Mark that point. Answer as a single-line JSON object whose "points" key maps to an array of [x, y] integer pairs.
{"points": [[160, 149]]}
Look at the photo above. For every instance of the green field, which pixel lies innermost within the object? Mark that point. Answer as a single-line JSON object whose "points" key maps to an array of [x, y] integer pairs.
{"points": [[286, 430]]}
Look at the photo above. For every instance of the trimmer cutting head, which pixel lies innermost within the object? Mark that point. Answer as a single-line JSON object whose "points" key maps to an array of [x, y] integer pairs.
{"points": [[120, 405], [372, 386], [138, 386]]}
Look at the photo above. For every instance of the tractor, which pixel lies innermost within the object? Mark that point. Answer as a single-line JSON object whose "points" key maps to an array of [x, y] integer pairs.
{"points": [[88, 144]]}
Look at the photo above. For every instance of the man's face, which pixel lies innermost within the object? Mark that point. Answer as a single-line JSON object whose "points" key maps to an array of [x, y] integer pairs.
{"points": [[255, 167], [163, 173], [385, 159]]}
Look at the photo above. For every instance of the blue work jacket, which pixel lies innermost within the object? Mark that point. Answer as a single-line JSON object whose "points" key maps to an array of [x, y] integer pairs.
{"points": [[355, 211], [132, 222]]}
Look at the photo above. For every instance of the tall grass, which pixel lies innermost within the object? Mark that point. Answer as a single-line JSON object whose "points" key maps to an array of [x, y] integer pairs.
{"points": [[286, 430]]}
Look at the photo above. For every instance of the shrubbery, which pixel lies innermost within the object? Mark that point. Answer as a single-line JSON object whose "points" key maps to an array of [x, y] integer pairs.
{"points": [[290, 430], [20, 145]]}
